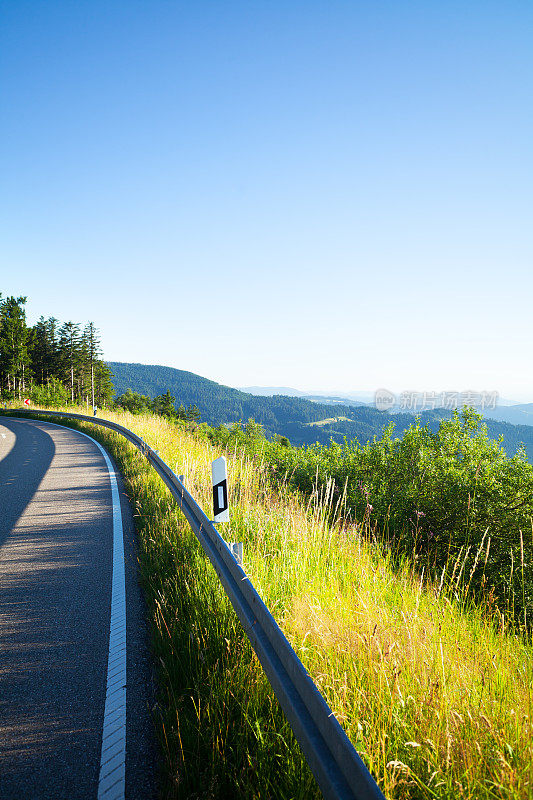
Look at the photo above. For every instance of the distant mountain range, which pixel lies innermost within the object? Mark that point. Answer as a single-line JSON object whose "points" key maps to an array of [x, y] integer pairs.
{"points": [[519, 414], [506, 410], [355, 399], [304, 419]]}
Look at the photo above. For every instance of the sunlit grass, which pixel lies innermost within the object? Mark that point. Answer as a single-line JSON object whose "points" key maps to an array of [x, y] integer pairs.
{"points": [[435, 696]]}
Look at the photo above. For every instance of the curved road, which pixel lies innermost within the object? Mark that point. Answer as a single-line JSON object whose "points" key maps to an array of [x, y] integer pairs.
{"points": [[56, 564]]}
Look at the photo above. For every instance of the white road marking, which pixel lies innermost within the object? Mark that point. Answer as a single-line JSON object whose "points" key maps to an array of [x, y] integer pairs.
{"points": [[112, 780], [111, 784]]}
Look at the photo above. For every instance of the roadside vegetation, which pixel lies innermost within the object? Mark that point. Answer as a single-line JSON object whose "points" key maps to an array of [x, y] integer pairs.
{"points": [[421, 652], [451, 501]]}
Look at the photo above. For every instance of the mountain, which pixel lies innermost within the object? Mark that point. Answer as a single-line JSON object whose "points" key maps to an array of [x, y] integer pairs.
{"points": [[316, 397], [367, 422], [218, 403], [520, 414], [270, 391], [356, 398], [303, 421]]}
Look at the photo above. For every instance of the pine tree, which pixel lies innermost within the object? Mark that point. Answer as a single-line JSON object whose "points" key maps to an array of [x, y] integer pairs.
{"points": [[103, 383], [164, 404], [14, 335], [92, 351], [52, 360], [45, 350], [193, 413], [70, 348]]}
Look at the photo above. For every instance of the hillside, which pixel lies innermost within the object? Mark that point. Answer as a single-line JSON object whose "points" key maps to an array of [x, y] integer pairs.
{"points": [[289, 416], [218, 403], [367, 422], [521, 414]]}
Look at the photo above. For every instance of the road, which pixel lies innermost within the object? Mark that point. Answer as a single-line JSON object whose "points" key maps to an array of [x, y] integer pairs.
{"points": [[56, 571]]}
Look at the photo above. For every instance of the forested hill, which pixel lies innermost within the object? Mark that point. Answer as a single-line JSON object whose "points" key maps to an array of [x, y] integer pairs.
{"points": [[289, 416], [367, 422], [218, 403]]}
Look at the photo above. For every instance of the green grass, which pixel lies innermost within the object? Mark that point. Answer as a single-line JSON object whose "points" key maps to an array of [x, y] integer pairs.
{"points": [[329, 421], [434, 692]]}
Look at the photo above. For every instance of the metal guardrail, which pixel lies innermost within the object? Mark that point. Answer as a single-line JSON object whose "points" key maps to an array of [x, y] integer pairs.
{"points": [[336, 765]]}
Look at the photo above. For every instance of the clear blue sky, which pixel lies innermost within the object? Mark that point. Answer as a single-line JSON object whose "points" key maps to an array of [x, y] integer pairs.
{"points": [[331, 195]]}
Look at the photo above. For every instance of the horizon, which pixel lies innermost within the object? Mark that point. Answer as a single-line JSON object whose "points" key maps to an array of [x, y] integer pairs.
{"points": [[319, 194], [354, 393]]}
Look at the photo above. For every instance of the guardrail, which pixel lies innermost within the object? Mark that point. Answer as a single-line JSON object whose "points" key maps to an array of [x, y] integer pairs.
{"points": [[336, 765]]}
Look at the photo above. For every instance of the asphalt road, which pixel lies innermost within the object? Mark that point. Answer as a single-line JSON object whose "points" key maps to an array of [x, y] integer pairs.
{"points": [[56, 538]]}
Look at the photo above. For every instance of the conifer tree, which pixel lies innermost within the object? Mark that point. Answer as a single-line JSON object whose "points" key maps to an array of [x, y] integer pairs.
{"points": [[70, 347], [92, 351], [51, 357], [45, 350], [104, 388], [164, 404], [14, 358]]}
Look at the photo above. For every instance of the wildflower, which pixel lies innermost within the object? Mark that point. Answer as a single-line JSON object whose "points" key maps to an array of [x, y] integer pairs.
{"points": [[398, 765]]}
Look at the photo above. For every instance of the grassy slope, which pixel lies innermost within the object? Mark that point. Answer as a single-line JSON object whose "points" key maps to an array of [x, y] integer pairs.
{"points": [[436, 699]]}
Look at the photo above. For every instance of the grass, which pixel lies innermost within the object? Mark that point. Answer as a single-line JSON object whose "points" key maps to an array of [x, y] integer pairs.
{"points": [[435, 694], [328, 421]]}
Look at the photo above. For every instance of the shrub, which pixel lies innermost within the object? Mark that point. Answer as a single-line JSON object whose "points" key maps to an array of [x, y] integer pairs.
{"points": [[451, 499]]}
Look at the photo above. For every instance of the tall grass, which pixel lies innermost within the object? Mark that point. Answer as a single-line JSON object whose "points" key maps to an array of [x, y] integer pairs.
{"points": [[435, 692]]}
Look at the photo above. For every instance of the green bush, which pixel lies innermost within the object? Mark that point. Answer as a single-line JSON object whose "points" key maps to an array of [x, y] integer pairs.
{"points": [[51, 394], [451, 499]]}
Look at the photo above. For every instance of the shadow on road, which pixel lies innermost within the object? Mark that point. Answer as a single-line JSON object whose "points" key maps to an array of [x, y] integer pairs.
{"points": [[21, 471]]}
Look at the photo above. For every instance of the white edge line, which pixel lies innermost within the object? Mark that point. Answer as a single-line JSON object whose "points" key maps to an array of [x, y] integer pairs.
{"points": [[112, 778]]}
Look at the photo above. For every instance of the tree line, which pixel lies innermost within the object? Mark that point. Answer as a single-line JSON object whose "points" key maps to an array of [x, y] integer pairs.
{"points": [[51, 362], [164, 405], [218, 403]]}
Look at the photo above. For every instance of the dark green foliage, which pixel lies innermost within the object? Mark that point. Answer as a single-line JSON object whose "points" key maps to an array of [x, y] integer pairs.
{"points": [[91, 350], [14, 340], [49, 363], [163, 404], [217, 403], [70, 346], [45, 350]]}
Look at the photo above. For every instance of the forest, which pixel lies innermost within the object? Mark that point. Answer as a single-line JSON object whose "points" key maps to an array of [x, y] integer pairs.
{"points": [[218, 403], [280, 415], [52, 362]]}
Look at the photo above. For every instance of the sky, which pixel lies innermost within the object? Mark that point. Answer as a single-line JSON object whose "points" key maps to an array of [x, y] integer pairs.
{"points": [[329, 195]]}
